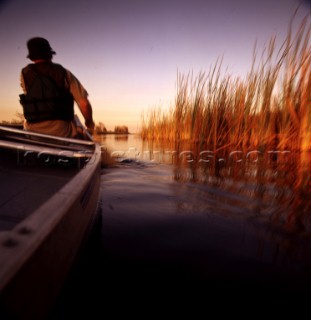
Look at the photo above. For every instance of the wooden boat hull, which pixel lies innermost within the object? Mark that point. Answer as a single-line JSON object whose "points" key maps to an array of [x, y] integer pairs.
{"points": [[38, 250]]}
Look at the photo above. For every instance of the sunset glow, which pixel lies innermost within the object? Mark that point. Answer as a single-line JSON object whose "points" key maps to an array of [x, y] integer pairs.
{"points": [[127, 53]]}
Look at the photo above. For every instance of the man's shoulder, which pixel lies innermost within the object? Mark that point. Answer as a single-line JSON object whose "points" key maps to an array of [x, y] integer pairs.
{"points": [[57, 65], [29, 66], [44, 65]]}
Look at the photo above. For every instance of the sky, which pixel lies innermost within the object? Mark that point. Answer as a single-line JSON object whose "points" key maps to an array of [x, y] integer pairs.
{"points": [[127, 53]]}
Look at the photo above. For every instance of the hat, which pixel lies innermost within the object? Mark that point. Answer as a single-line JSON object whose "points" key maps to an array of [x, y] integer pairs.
{"points": [[39, 48]]}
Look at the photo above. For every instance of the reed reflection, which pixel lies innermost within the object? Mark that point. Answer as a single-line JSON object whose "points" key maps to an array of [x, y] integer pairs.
{"points": [[277, 181], [121, 137]]}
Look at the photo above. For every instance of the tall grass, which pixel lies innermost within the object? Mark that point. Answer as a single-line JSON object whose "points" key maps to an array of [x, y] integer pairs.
{"points": [[270, 108]]}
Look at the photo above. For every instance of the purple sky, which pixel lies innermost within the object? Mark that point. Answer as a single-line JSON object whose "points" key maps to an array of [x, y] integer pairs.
{"points": [[127, 52]]}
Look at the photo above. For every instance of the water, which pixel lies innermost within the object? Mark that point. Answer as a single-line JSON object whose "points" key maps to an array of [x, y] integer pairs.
{"points": [[178, 232]]}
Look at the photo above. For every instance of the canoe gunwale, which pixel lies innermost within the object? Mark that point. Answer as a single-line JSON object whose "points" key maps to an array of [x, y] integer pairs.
{"points": [[76, 200]]}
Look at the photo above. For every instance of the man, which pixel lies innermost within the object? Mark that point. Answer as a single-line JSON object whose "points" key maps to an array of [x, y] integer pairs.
{"points": [[49, 94]]}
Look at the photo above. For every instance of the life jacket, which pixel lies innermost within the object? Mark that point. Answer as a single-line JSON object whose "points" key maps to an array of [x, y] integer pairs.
{"points": [[48, 96]]}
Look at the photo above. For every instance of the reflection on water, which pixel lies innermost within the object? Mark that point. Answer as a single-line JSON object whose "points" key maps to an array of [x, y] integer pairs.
{"points": [[120, 137], [280, 179], [181, 218]]}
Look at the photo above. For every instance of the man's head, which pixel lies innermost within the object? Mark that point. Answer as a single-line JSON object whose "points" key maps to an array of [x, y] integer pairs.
{"points": [[39, 48]]}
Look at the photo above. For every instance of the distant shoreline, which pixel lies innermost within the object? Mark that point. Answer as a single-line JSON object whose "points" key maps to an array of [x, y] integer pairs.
{"points": [[112, 132]]}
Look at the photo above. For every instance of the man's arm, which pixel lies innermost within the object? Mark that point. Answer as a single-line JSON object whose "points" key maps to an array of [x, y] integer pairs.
{"points": [[80, 95], [22, 82], [86, 110]]}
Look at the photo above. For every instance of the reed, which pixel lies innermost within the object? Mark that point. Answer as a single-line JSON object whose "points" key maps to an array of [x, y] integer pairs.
{"points": [[270, 108]]}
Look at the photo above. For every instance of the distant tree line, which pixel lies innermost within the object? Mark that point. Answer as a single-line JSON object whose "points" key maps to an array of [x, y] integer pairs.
{"points": [[16, 121], [100, 128]]}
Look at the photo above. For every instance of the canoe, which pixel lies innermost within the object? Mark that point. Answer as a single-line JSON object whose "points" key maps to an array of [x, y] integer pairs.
{"points": [[48, 206]]}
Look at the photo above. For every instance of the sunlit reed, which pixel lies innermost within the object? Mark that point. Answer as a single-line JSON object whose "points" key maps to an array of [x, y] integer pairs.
{"points": [[269, 108]]}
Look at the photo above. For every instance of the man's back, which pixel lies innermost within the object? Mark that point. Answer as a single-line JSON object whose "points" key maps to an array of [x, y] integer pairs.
{"points": [[49, 94]]}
